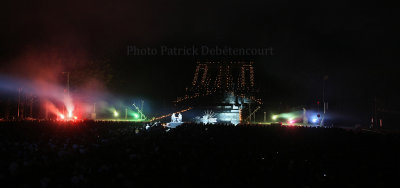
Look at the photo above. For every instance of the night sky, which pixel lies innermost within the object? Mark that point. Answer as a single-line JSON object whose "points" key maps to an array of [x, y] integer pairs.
{"points": [[355, 47]]}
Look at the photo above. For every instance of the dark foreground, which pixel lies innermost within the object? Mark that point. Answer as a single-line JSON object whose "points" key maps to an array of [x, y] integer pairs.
{"points": [[109, 154]]}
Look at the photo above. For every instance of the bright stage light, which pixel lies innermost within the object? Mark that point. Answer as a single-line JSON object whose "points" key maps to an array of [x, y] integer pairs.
{"points": [[291, 121], [75, 117], [69, 114], [274, 117], [314, 120], [135, 115], [116, 114], [62, 116]]}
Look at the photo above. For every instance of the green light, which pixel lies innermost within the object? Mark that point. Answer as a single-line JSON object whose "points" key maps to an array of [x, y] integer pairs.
{"points": [[116, 114], [274, 117], [135, 115]]}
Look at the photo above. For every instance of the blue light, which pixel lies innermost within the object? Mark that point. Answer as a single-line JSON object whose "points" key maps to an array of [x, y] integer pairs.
{"points": [[314, 120]]}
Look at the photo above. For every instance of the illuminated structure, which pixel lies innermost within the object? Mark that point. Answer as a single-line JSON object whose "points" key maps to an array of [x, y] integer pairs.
{"points": [[175, 121], [209, 118], [225, 88]]}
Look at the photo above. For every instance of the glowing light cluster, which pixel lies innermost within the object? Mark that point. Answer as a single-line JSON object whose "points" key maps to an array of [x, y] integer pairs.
{"points": [[169, 115], [314, 120], [69, 117]]}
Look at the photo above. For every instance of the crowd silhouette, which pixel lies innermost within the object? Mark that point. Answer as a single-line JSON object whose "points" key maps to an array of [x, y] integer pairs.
{"points": [[126, 154]]}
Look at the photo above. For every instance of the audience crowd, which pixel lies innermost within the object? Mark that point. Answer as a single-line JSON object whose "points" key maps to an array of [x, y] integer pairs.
{"points": [[126, 154]]}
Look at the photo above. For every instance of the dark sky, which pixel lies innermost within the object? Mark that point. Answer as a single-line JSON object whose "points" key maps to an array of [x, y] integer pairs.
{"points": [[356, 47]]}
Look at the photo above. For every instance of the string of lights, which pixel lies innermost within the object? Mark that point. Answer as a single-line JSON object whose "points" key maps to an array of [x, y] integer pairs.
{"points": [[223, 81], [170, 114]]}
